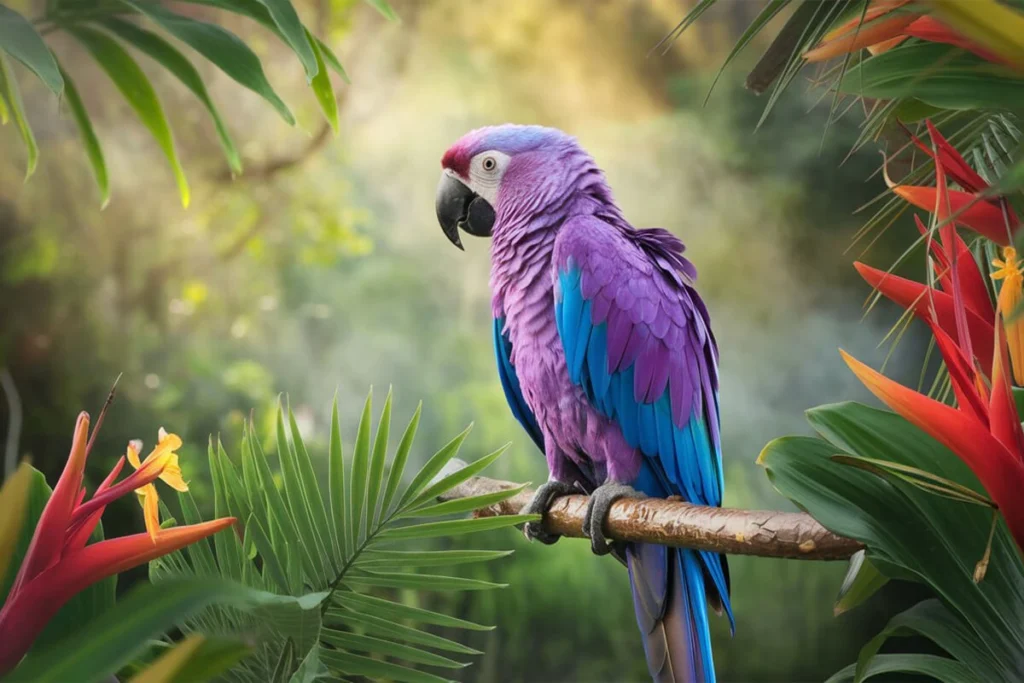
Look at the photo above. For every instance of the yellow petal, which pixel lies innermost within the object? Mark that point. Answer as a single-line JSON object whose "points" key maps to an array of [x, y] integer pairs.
{"points": [[172, 474], [134, 447], [13, 505], [168, 443], [151, 510]]}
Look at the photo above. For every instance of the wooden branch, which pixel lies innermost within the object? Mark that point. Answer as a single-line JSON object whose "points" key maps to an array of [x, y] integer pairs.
{"points": [[764, 533]]}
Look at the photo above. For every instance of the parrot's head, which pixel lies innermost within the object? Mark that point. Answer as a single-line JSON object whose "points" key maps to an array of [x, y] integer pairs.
{"points": [[495, 174]]}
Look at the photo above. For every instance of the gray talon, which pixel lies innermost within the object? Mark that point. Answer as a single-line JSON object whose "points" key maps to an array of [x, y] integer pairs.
{"points": [[600, 503], [540, 505]]}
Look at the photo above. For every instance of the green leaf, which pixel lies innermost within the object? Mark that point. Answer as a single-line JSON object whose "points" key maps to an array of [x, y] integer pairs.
{"points": [[138, 91], [938, 75], [427, 558], [332, 59], [347, 663], [177, 64], [862, 581], [360, 469], [384, 8], [89, 140], [311, 494], [340, 504], [940, 668], [433, 467], [401, 457], [284, 662], [203, 560], [399, 611], [386, 627], [111, 641], [933, 621], [457, 477], [10, 93], [299, 506], [210, 659], [419, 581], [229, 559], [388, 648], [294, 33], [453, 527], [378, 460], [20, 40], [271, 564], [460, 505], [310, 669], [223, 48]]}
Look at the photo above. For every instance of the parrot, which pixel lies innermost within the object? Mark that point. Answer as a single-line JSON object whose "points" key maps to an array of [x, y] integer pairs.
{"points": [[606, 356]]}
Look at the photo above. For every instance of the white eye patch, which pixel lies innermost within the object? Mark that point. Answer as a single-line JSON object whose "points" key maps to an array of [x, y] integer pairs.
{"points": [[485, 172]]}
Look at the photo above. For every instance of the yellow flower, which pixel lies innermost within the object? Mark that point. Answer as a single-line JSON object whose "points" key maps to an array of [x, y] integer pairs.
{"points": [[1010, 295], [164, 458]]}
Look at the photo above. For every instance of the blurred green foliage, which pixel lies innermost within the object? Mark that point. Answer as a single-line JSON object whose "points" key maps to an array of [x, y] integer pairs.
{"points": [[321, 269]]}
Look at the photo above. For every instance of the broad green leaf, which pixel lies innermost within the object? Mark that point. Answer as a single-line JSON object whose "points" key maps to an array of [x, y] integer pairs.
{"points": [[299, 505], [384, 8], [223, 48], [939, 75], [138, 91], [388, 648], [455, 478], [89, 140], [433, 467], [111, 641], [380, 455], [940, 668], [295, 618], [14, 501], [988, 23], [862, 581], [453, 527], [427, 558], [460, 505], [176, 63], [388, 627], [399, 611], [311, 494], [271, 564], [294, 33], [401, 457], [360, 470], [347, 663], [20, 40], [341, 509], [418, 581], [12, 96], [933, 621]]}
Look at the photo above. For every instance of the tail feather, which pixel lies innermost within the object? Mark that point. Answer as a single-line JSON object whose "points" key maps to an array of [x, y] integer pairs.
{"points": [[671, 609]]}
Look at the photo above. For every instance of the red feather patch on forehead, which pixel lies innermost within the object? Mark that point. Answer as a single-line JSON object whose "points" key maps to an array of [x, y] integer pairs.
{"points": [[457, 159]]}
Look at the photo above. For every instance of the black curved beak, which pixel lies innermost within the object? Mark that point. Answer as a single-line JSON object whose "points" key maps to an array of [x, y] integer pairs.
{"points": [[459, 207]]}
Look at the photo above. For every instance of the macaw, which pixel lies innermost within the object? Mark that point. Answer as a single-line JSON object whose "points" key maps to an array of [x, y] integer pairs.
{"points": [[607, 359]]}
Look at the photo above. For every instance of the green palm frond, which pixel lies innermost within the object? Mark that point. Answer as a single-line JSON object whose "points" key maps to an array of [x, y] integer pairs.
{"points": [[345, 547]]}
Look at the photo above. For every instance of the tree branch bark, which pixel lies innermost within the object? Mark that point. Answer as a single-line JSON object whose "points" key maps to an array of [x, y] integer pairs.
{"points": [[764, 533]]}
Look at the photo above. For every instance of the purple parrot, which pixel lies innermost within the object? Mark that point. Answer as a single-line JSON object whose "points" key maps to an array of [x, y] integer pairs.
{"points": [[606, 356]]}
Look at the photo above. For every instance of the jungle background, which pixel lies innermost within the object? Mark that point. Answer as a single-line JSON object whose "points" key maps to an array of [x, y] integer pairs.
{"points": [[321, 269]]}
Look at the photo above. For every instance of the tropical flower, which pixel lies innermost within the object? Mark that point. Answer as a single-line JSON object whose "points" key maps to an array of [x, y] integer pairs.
{"points": [[171, 475], [1010, 296], [59, 564], [884, 25]]}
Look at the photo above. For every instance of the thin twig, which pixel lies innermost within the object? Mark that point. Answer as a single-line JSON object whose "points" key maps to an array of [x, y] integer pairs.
{"points": [[764, 533], [13, 422]]}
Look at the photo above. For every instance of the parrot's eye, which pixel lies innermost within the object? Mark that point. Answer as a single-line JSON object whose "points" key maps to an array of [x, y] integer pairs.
{"points": [[489, 163]]}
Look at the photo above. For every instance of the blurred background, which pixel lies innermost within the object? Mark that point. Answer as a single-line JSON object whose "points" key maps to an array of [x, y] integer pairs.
{"points": [[322, 270]]}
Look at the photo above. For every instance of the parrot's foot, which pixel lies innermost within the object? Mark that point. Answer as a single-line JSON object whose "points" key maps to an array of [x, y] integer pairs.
{"points": [[540, 505], [597, 512]]}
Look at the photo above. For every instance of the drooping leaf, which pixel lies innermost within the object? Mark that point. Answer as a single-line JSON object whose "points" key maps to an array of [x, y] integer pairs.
{"points": [[380, 607], [19, 39], [89, 140], [12, 96], [138, 91], [374, 669], [213, 657], [384, 8], [223, 48], [177, 64], [294, 33], [862, 581], [941, 668], [360, 643], [389, 628]]}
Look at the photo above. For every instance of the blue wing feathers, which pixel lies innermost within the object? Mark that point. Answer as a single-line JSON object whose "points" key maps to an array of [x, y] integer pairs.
{"points": [[510, 383]]}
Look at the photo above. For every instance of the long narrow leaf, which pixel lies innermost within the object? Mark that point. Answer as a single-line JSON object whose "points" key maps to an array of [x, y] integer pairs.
{"points": [[12, 96], [388, 648], [340, 510], [403, 612], [460, 505], [387, 627], [360, 468], [420, 581], [20, 40], [93, 151], [311, 493], [294, 33], [271, 564], [455, 478], [401, 457], [138, 91], [374, 669], [433, 467], [380, 456], [389, 559]]}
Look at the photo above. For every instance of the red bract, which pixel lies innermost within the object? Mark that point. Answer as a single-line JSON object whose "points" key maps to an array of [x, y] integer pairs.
{"points": [[59, 564]]}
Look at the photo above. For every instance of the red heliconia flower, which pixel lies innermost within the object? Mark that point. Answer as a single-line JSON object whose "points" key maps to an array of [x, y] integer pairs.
{"points": [[59, 564]]}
